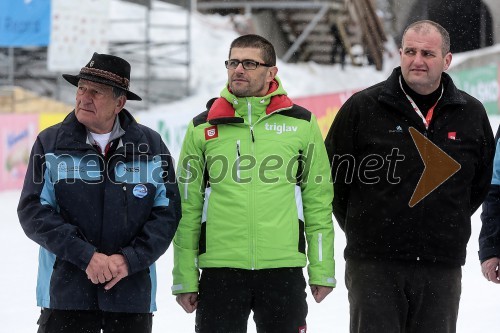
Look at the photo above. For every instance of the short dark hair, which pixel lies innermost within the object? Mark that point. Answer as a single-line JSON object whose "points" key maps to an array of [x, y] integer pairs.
{"points": [[257, 42], [424, 26]]}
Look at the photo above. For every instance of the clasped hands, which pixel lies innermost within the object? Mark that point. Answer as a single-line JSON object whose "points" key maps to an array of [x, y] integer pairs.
{"points": [[103, 268]]}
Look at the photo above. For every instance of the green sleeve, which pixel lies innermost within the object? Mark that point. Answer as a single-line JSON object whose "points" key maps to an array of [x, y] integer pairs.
{"points": [[190, 180], [317, 195]]}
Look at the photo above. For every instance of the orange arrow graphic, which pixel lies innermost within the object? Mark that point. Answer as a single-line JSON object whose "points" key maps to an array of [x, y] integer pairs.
{"points": [[438, 167]]}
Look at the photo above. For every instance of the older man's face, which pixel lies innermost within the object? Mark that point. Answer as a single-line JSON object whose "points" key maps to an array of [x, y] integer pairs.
{"points": [[96, 107]]}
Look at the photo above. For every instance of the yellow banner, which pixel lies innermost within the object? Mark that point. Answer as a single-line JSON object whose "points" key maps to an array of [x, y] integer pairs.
{"points": [[49, 119]]}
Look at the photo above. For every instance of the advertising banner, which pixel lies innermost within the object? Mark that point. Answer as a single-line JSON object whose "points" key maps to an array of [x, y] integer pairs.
{"points": [[48, 119], [482, 83], [17, 135], [324, 107], [171, 127], [24, 23], [79, 28]]}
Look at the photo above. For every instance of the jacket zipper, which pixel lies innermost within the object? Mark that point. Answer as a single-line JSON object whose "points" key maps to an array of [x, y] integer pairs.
{"points": [[252, 192], [426, 134], [124, 187], [249, 106]]}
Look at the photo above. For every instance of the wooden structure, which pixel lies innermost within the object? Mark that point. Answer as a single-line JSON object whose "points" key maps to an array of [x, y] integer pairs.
{"points": [[372, 30], [305, 26]]}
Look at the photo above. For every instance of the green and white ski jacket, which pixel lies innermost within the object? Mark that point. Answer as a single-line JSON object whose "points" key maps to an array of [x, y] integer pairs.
{"points": [[254, 180]]}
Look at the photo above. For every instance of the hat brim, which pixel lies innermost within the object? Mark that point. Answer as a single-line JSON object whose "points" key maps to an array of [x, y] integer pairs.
{"points": [[73, 79]]}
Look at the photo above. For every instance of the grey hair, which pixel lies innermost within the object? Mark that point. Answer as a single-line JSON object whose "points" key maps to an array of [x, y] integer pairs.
{"points": [[117, 92]]}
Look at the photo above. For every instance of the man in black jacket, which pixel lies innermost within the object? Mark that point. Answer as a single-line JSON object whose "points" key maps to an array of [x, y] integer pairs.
{"points": [[101, 200], [411, 162]]}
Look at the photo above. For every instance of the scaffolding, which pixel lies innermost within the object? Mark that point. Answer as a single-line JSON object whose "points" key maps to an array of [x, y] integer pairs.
{"points": [[7, 80], [160, 60]]}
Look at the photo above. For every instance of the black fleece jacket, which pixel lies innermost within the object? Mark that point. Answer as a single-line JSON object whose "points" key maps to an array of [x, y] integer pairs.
{"points": [[376, 167]]}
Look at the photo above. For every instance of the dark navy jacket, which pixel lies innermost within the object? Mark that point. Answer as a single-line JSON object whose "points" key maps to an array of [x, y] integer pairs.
{"points": [[489, 238], [75, 201]]}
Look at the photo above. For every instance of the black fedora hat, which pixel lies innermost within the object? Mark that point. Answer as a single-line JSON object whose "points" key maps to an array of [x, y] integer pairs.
{"points": [[106, 69]]}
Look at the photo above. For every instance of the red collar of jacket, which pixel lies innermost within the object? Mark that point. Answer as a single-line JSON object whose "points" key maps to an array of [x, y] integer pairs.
{"points": [[222, 112]]}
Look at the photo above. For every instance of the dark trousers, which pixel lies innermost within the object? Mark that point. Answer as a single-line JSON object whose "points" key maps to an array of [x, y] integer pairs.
{"points": [[67, 321], [402, 297], [277, 298]]}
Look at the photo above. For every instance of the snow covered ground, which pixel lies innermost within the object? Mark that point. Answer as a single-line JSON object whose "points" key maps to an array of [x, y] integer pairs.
{"points": [[211, 39], [18, 262]]}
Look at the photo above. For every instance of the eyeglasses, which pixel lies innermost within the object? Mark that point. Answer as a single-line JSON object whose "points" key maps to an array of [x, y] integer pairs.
{"points": [[247, 64]]}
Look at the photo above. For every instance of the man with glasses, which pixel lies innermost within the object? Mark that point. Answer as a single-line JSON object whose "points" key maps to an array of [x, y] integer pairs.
{"points": [[253, 175]]}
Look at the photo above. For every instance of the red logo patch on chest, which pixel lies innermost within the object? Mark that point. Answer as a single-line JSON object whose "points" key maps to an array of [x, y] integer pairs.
{"points": [[211, 132]]}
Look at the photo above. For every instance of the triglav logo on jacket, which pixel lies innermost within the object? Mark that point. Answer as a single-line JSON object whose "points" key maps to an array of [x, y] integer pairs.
{"points": [[211, 132], [280, 128]]}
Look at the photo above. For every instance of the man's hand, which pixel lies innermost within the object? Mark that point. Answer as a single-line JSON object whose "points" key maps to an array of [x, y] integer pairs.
{"points": [[320, 292], [119, 269], [490, 269], [98, 270], [188, 301]]}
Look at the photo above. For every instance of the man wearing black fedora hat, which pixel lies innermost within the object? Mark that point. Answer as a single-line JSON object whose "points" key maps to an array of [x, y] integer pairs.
{"points": [[101, 199]]}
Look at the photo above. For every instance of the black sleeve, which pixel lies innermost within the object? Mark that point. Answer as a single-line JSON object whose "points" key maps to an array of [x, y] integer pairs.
{"points": [[39, 216], [340, 145], [482, 178], [489, 237]]}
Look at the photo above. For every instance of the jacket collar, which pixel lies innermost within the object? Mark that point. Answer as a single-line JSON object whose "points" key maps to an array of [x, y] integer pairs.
{"points": [[392, 93], [116, 132], [73, 135], [222, 111]]}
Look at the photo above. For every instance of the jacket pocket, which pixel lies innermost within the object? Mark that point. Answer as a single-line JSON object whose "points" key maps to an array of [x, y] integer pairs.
{"points": [[237, 163], [202, 244], [302, 239]]}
